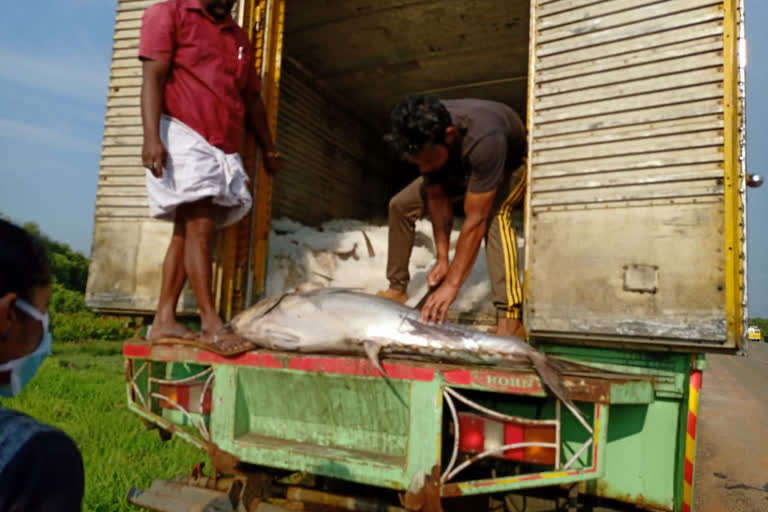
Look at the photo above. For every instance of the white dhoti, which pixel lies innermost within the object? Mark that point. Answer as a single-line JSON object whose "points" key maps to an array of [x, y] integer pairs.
{"points": [[195, 170]]}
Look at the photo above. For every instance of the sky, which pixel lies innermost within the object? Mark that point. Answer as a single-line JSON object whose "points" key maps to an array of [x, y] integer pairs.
{"points": [[54, 71]]}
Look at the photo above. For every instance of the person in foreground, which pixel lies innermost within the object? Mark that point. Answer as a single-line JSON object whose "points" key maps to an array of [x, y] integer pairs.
{"points": [[200, 89], [472, 150], [40, 467]]}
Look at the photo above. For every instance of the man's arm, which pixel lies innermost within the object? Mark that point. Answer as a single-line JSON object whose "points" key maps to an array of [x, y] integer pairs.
{"points": [[154, 76], [440, 210], [477, 207], [257, 122]]}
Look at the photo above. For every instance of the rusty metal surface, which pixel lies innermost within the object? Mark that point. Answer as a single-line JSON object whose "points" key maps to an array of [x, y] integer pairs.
{"points": [[425, 498], [166, 496]]}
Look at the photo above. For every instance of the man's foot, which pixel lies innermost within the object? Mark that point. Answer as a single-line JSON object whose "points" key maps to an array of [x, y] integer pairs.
{"points": [[224, 342], [510, 327], [393, 295], [175, 330]]}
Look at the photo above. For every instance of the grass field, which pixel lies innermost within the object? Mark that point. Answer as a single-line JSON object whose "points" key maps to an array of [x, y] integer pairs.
{"points": [[81, 390]]}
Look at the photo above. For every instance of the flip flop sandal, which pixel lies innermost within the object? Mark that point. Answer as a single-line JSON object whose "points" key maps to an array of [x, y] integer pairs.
{"points": [[188, 335], [216, 347]]}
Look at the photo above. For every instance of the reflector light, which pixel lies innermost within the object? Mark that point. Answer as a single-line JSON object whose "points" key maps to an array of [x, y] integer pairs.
{"points": [[186, 396], [478, 434], [472, 433]]}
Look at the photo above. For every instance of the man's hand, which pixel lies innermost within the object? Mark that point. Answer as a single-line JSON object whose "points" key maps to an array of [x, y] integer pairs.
{"points": [[272, 162], [436, 307], [437, 274], [154, 156]]}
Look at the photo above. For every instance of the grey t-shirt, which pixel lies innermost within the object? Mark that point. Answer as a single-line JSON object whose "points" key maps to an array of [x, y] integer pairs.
{"points": [[491, 143]]}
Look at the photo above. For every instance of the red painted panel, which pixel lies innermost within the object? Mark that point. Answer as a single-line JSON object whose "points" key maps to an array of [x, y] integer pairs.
{"points": [[361, 367], [458, 377], [248, 359], [139, 350]]}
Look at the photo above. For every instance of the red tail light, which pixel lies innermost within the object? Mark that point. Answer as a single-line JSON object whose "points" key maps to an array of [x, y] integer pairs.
{"points": [[478, 434], [186, 396]]}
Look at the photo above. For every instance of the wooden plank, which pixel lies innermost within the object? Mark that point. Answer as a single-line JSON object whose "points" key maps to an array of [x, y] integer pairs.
{"points": [[624, 60], [114, 190], [127, 5], [126, 72], [591, 11], [122, 201], [592, 79], [134, 151], [649, 115], [689, 126], [120, 162], [120, 130], [641, 45], [638, 102], [123, 140], [546, 8], [131, 62], [629, 147], [122, 92], [108, 212], [662, 82], [110, 171], [128, 81], [634, 192], [123, 44], [115, 120], [133, 112], [681, 22], [623, 177], [709, 154], [130, 101], [126, 53], [128, 34], [128, 180], [584, 24], [130, 15], [127, 25]]}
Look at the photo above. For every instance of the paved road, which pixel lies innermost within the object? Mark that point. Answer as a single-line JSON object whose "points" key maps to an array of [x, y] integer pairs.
{"points": [[732, 451]]}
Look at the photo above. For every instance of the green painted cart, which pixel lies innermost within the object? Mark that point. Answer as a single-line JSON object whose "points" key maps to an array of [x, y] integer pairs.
{"points": [[430, 431]]}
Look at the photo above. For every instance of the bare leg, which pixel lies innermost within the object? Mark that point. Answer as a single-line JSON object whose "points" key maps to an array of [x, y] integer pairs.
{"points": [[165, 325], [200, 220]]}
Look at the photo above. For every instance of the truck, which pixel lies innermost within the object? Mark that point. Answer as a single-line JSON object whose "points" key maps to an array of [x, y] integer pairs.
{"points": [[634, 259]]}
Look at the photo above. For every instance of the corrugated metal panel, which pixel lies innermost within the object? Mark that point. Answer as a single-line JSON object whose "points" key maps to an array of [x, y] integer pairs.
{"points": [[627, 179], [332, 165]]}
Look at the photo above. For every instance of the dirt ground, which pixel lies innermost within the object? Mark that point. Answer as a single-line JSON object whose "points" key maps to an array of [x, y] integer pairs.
{"points": [[732, 450]]}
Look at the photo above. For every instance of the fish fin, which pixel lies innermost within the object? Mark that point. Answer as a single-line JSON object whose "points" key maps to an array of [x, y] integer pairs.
{"points": [[372, 350], [283, 339], [549, 371]]}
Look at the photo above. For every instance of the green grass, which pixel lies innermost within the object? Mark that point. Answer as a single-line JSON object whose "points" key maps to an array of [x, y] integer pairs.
{"points": [[81, 390]]}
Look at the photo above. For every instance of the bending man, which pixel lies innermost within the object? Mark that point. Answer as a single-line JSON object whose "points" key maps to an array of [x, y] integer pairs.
{"points": [[472, 150]]}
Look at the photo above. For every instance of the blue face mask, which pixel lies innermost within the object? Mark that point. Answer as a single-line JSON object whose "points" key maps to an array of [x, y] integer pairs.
{"points": [[22, 370]]}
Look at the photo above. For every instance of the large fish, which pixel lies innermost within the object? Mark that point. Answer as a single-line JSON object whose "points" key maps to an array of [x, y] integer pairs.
{"points": [[340, 321]]}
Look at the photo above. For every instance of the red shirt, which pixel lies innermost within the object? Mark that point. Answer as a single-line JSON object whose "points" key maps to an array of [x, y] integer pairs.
{"points": [[211, 69]]}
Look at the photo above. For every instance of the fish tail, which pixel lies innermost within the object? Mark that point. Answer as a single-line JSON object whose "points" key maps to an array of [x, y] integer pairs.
{"points": [[550, 372]]}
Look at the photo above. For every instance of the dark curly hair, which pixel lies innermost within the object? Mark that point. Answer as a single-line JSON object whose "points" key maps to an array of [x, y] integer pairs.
{"points": [[23, 261], [417, 121]]}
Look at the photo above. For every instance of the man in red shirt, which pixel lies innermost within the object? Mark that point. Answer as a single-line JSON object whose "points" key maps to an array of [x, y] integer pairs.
{"points": [[199, 90]]}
